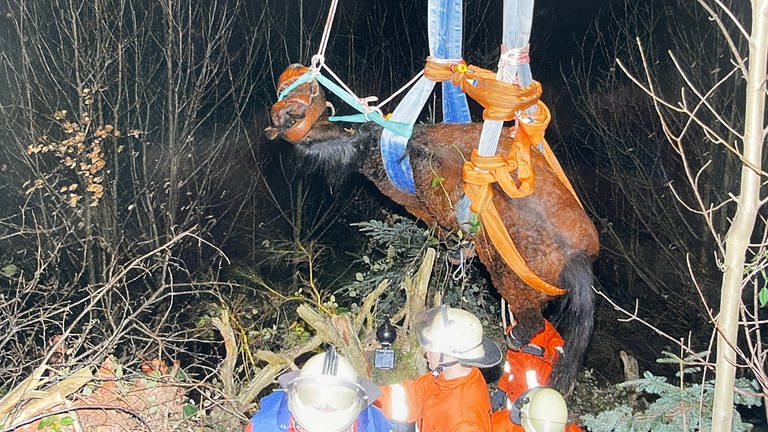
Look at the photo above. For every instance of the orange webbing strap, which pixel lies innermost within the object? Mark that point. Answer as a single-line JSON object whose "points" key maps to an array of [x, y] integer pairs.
{"points": [[535, 131], [498, 169], [501, 100], [477, 186]]}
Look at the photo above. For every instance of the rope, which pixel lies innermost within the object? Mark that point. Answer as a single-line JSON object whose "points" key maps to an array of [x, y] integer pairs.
{"points": [[512, 57], [338, 87], [401, 89], [327, 30], [362, 101], [504, 310]]}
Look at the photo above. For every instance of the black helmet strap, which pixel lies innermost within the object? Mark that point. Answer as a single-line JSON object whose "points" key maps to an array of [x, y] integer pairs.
{"points": [[441, 365]]}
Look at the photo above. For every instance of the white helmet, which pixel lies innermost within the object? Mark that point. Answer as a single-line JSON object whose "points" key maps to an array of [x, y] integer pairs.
{"points": [[326, 394], [540, 409], [456, 333]]}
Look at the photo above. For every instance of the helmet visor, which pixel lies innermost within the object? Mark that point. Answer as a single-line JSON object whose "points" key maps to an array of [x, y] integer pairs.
{"points": [[325, 405]]}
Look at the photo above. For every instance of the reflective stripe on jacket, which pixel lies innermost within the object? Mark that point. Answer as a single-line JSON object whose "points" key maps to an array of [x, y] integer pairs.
{"points": [[439, 405], [524, 370]]}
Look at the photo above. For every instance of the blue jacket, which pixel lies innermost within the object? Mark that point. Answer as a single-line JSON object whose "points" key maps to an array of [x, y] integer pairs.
{"points": [[275, 417]]}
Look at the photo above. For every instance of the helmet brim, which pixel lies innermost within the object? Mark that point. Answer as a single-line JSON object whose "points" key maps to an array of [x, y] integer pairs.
{"points": [[486, 354], [491, 356]]}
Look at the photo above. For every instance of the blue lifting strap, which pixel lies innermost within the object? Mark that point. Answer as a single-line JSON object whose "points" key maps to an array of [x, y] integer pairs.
{"points": [[445, 42], [518, 16], [518, 19], [449, 34]]}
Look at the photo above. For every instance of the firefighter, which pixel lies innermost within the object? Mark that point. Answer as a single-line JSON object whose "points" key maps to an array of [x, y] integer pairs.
{"points": [[540, 409], [326, 395], [529, 365], [454, 395]]}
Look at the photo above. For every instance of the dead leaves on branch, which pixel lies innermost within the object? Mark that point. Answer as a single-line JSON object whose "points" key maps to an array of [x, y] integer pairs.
{"points": [[79, 148]]}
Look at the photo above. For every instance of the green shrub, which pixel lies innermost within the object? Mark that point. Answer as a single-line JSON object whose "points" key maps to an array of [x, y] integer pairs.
{"points": [[682, 407], [395, 249]]}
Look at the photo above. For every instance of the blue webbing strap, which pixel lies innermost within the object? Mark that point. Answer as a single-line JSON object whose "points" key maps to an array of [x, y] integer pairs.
{"points": [[401, 129], [455, 107], [445, 34], [518, 16]]}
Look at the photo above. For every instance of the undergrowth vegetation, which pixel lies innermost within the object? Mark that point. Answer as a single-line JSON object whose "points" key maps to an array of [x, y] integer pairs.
{"points": [[394, 250], [656, 404]]}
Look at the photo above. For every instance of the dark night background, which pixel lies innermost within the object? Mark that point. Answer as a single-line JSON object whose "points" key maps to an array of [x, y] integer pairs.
{"points": [[192, 154]]}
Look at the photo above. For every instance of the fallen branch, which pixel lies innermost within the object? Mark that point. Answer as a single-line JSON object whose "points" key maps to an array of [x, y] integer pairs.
{"points": [[66, 410], [31, 404]]}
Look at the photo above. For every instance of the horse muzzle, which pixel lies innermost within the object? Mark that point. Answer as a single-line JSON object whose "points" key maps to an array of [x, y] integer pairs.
{"points": [[293, 116]]}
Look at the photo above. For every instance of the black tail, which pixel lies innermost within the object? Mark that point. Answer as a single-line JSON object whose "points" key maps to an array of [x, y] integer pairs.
{"points": [[574, 320]]}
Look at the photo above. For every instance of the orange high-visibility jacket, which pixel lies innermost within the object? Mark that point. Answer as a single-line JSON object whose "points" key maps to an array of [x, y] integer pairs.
{"points": [[524, 369], [502, 423], [439, 405]]}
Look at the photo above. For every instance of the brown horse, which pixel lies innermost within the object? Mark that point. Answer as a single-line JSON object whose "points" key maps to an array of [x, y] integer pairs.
{"points": [[550, 229]]}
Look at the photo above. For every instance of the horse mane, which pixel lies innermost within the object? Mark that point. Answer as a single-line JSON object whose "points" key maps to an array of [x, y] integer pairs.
{"points": [[334, 151]]}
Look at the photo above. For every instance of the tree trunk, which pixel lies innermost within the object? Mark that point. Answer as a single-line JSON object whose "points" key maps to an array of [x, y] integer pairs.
{"points": [[172, 115], [737, 241]]}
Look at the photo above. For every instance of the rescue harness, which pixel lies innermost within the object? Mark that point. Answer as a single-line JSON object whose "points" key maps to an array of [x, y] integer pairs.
{"points": [[510, 94]]}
